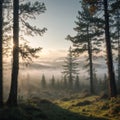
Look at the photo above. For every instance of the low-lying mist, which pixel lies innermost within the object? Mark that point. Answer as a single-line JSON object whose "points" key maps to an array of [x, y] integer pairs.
{"points": [[30, 75]]}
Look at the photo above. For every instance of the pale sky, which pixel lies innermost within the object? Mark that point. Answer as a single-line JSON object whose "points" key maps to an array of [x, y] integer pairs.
{"points": [[59, 20]]}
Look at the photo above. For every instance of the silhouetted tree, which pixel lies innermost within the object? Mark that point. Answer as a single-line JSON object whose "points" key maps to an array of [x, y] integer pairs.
{"points": [[70, 68], [43, 81], [12, 100], [22, 12], [88, 38], [112, 85], [116, 33], [1, 53]]}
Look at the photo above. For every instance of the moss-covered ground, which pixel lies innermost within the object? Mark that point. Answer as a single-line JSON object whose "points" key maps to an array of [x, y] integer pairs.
{"points": [[74, 108]]}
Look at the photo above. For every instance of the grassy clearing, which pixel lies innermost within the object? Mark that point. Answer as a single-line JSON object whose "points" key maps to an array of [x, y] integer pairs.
{"points": [[70, 108]]}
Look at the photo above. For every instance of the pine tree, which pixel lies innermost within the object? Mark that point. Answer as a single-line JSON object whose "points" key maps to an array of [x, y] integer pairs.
{"points": [[12, 100], [112, 84], [88, 38], [26, 11], [116, 33], [97, 4], [77, 84], [70, 69], [43, 81]]}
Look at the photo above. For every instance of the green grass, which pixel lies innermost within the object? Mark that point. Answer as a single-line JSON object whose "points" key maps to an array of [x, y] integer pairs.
{"points": [[73, 108]]}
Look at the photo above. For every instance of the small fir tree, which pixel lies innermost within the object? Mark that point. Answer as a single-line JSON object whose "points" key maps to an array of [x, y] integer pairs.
{"points": [[43, 82], [70, 68]]}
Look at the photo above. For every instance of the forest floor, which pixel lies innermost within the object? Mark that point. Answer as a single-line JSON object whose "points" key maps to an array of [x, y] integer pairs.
{"points": [[66, 108]]}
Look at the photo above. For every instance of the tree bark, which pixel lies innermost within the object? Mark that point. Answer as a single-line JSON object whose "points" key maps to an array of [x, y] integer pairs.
{"points": [[111, 75], [1, 52], [12, 100], [118, 61], [118, 30]]}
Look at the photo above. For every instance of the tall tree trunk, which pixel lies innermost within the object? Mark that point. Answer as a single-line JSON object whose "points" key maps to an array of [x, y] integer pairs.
{"points": [[118, 63], [91, 68], [12, 100], [111, 75], [1, 56], [118, 30], [90, 62]]}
